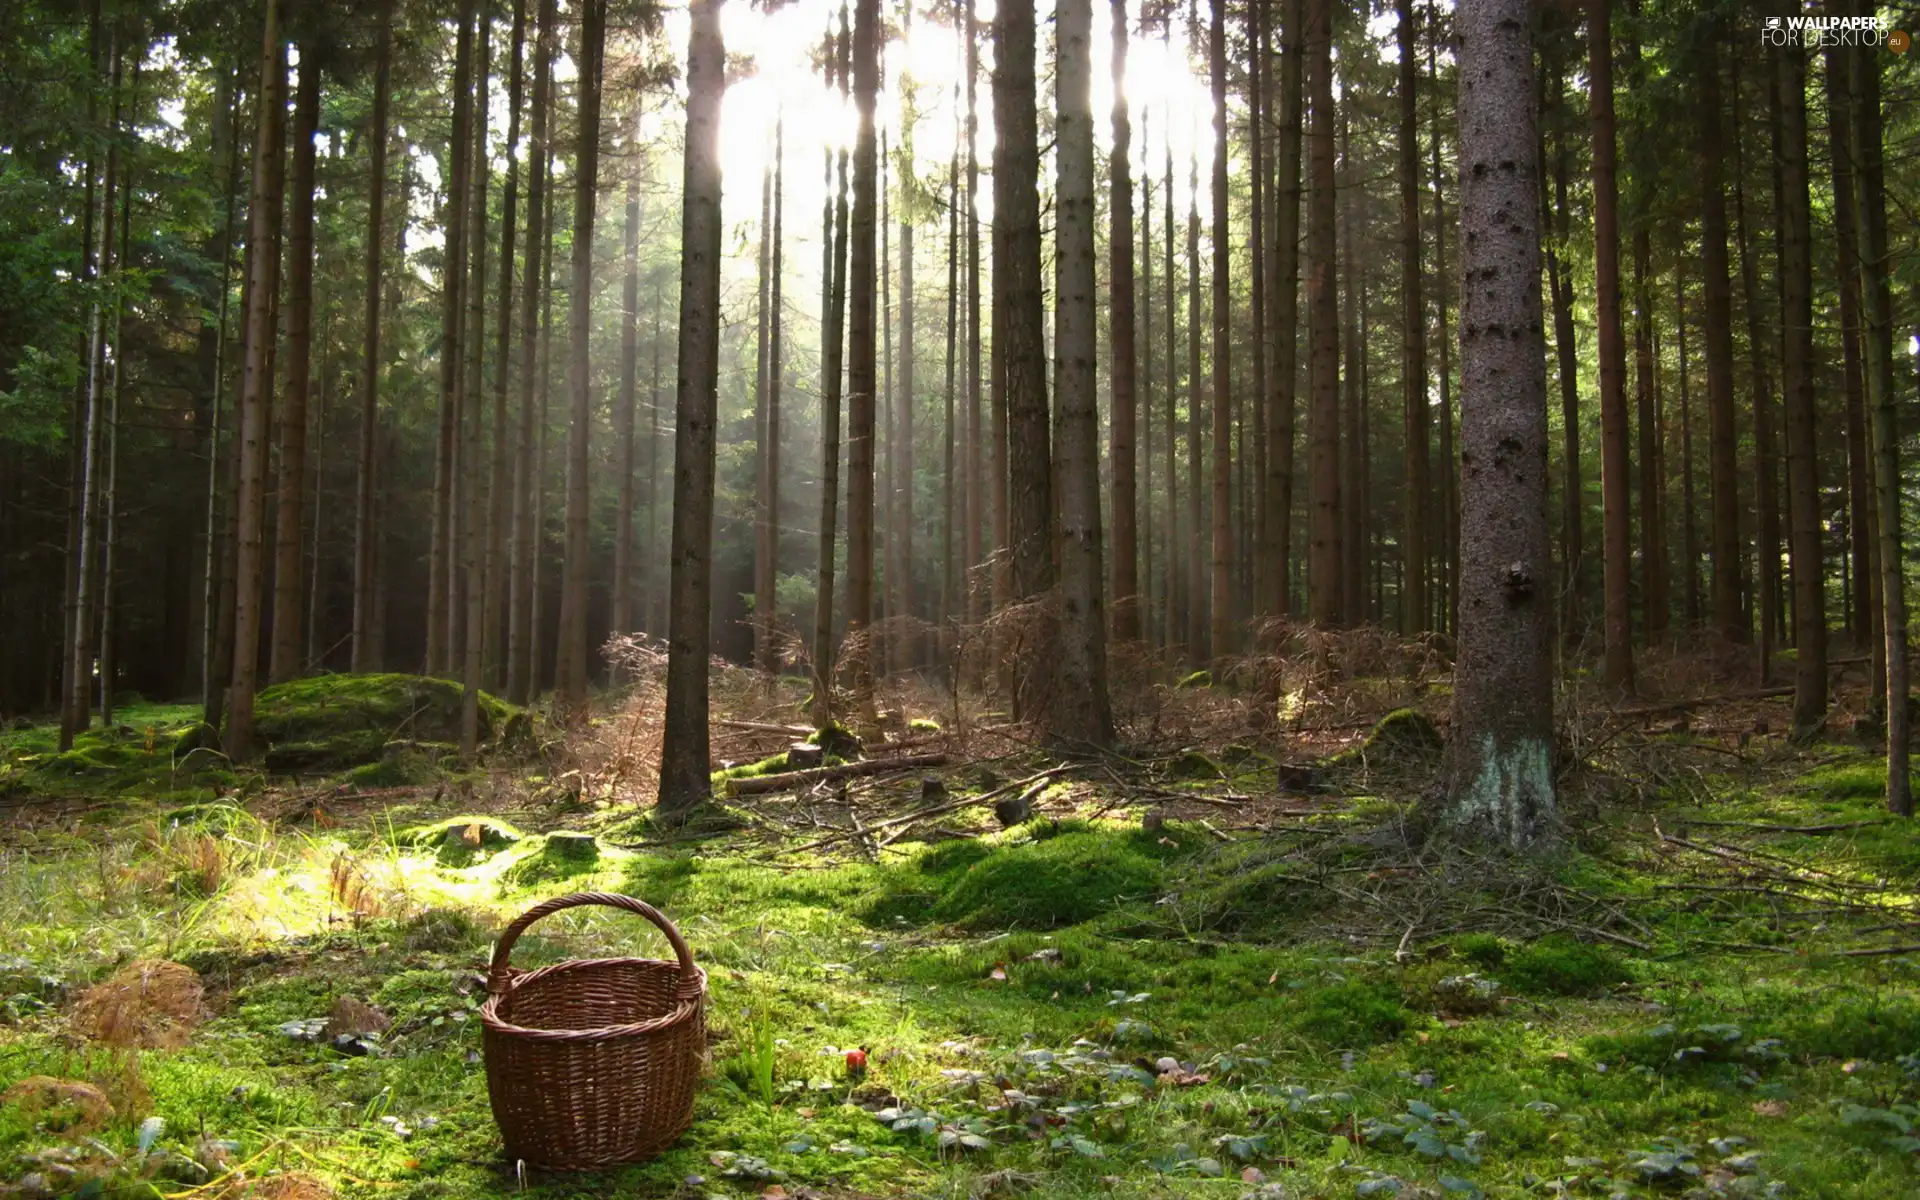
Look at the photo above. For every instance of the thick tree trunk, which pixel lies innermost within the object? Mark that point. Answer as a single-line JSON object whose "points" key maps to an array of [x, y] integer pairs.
{"points": [[1501, 786], [467, 599], [1765, 453], [363, 654], [256, 390], [1323, 317], [684, 757], [1413, 334], [523, 577], [1079, 713], [1220, 640], [1727, 615], [1283, 320], [570, 660], [1871, 211], [1803, 484], [1018, 299], [284, 661], [978, 503], [1616, 535], [1126, 401], [862, 292]]}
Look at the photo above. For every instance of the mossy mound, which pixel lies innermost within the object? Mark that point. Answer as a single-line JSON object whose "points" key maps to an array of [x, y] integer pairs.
{"points": [[332, 722], [1405, 740], [1042, 876], [462, 841], [561, 855]]}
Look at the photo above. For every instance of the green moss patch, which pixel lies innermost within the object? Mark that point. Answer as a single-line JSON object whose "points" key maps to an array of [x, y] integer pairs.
{"points": [[332, 722]]}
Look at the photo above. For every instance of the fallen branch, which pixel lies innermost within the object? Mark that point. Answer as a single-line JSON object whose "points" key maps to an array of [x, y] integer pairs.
{"points": [[1834, 828], [935, 811], [758, 784], [765, 727]]}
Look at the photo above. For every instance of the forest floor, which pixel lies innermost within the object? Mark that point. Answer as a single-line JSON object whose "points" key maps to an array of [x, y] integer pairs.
{"points": [[1211, 968]]}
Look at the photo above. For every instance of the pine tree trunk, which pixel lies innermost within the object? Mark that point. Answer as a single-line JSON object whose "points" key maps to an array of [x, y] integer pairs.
{"points": [[1413, 333], [1176, 560], [523, 578], [905, 642], [214, 537], [952, 497], [1220, 629], [1255, 564], [256, 392], [1858, 578], [1653, 541], [440, 566], [1079, 713], [763, 530], [1447, 613], [468, 619], [110, 487], [684, 758], [1616, 535], [1717, 312], [284, 662], [1197, 582], [1352, 453], [623, 412], [75, 715], [1803, 485], [1323, 316], [1501, 786], [1122, 454], [977, 501], [862, 291], [1871, 212], [1149, 579], [499, 476], [833, 244], [570, 659], [1689, 530], [363, 655], [1572, 486], [1018, 299], [1765, 454], [1283, 320]]}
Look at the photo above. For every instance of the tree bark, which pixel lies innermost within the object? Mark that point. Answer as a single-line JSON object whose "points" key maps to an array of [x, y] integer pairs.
{"points": [[1176, 560], [1689, 535], [766, 532], [1124, 351], [363, 655], [440, 567], [256, 391], [499, 479], [1860, 581], [685, 765], [1765, 454], [1572, 487], [862, 291], [1323, 316], [906, 642], [1871, 211], [833, 245], [1220, 641], [570, 661], [284, 661], [1447, 614], [978, 502], [523, 578], [1501, 780], [1723, 466], [1413, 333], [1803, 485], [1616, 535], [624, 411]]}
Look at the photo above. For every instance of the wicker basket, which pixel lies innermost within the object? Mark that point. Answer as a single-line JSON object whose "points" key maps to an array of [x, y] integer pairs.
{"points": [[593, 1063]]}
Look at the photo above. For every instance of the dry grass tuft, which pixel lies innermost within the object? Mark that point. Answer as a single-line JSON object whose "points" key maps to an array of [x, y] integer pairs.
{"points": [[74, 1107], [350, 888], [147, 1005], [291, 1186]]}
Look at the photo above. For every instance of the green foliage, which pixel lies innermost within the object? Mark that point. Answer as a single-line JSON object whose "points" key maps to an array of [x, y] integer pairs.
{"points": [[1560, 965], [338, 721], [1358, 1012]]}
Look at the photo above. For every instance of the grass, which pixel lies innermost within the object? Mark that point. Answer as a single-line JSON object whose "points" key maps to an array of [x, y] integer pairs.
{"points": [[1075, 1008]]}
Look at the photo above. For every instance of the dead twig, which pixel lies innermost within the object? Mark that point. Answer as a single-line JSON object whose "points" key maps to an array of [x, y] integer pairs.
{"points": [[935, 811], [755, 785]]}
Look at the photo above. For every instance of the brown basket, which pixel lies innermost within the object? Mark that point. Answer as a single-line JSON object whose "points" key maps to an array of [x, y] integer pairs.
{"points": [[593, 1063]]}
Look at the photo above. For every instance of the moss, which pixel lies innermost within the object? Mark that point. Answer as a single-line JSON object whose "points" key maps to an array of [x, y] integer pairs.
{"points": [[1483, 950], [1191, 764], [340, 721], [1353, 1013], [560, 855], [1560, 965], [836, 741], [923, 725], [1199, 679], [773, 764], [1405, 733], [394, 770]]}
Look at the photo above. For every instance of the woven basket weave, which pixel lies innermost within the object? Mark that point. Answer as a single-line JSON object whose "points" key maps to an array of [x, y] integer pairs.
{"points": [[593, 1063]]}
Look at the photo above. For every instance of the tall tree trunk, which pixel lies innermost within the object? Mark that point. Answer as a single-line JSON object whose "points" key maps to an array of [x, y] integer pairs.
{"points": [[256, 391], [1572, 486], [1197, 582], [1447, 614], [862, 290], [440, 565], [523, 579], [1765, 453], [834, 280], [906, 643], [1079, 713], [1176, 560], [766, 530], [363, 654], [570, 662], [1254, 563], [1220, 632], [1689, 530], [1353, 452], [1283, 319], [1803, 485], [1126, 535], [684, 755], [289, 509], [467, 619], [1018, 320], [1323, 316], [1148, 579], [499, 478], [1653, 541], [623, 413], [211, 683], [1501, 785], [952, 487], [110, 486], [74, 714], [1413, 334], [1858, 577], [1723, 466], [1871, 212], [978, 501], [1616, 535], [82, 576]]}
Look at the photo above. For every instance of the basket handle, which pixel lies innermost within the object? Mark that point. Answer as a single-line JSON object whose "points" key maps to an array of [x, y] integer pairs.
{"points": [[500, 971]]}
